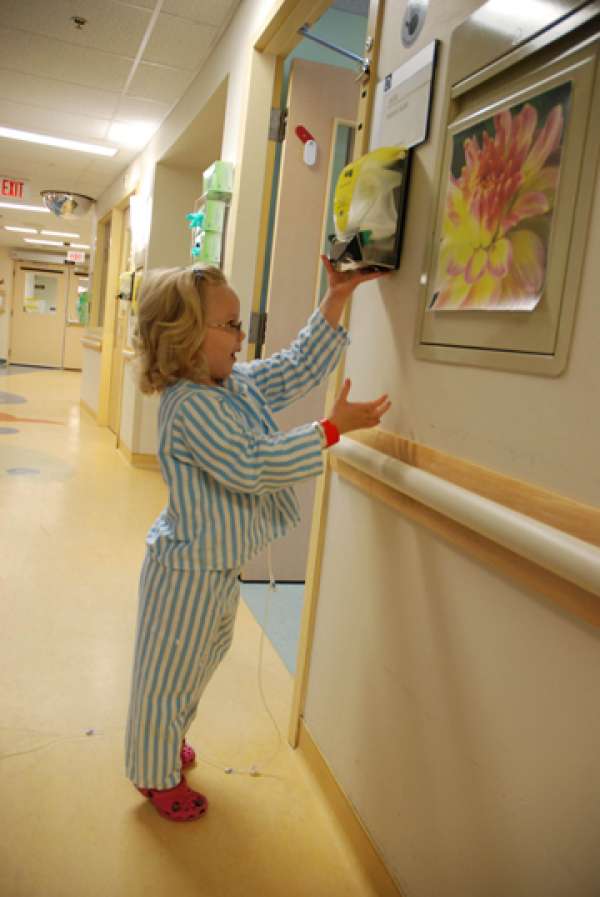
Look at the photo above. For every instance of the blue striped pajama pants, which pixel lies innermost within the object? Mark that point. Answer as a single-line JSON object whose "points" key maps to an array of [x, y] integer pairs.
{"points": [[184, 629]]}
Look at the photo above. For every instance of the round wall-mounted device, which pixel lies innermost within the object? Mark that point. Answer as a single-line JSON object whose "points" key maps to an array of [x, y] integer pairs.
{"points": [[413, 21]]}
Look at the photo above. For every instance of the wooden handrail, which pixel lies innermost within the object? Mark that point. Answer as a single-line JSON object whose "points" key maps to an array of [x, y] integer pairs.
{"points": [[570, 558]]}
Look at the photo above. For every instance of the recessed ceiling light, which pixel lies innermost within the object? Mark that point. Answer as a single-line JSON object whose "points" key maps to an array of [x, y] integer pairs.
{"points": [[24, 207], [58, 233], [22, 230], [47, 140], [131, 134], [45, 242], [79, 246]]}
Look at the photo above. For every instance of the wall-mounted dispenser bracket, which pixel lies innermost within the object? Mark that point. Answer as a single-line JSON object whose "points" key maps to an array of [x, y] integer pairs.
{"points": [[363, 61]]}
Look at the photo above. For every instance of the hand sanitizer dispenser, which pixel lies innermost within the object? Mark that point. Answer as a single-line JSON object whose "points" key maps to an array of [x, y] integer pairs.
{"points": [[369, 206]]}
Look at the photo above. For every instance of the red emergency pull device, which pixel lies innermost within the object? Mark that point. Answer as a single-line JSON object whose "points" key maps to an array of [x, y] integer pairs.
{"points": [[303, 134]]}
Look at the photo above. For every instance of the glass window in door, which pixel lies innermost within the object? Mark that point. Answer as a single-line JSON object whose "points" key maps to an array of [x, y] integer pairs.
{"points": [[40, 296]]}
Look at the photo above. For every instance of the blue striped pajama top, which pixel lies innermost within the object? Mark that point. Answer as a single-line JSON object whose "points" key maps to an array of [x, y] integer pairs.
{"points": [[229, 469]]}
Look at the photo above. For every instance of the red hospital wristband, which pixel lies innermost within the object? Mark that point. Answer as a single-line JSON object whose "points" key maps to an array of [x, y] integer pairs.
{"points": [[332, 434]]}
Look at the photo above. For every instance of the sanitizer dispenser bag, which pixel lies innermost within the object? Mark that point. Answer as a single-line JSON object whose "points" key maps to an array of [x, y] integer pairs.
{"points": [[368, 208]]}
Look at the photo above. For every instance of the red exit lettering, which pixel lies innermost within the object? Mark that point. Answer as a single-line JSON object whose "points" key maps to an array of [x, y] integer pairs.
{"points": [[12, 188]]}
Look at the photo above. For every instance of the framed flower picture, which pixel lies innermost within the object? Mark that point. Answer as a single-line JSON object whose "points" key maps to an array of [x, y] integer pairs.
{"points": [[501, 191], [510, 216]]}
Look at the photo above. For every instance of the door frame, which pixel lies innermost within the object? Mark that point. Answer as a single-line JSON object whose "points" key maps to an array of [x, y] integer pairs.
{"points": [[115, 216], [337, 124], [115, 390], [277, 39]]}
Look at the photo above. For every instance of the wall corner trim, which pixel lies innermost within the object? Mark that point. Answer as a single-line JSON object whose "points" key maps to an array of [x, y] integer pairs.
{"points": [[137, 459], [367, 855]]}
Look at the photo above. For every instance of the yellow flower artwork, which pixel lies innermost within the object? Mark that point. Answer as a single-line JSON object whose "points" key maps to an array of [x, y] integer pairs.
{"points": [[499, 206]]}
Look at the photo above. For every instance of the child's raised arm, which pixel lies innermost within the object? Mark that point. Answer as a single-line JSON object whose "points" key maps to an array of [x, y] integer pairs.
{"points": [[288, 375]]}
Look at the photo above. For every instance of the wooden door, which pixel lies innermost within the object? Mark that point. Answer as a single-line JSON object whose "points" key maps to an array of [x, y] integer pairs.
{"points": [[318, 94], [38, 316]]}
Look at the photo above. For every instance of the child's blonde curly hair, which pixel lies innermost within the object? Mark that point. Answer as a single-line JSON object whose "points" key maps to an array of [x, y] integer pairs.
{"points": [[171, 325]]}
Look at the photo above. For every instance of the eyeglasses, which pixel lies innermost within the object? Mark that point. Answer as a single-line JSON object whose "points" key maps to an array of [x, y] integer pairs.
{"points": [[231, 327]]}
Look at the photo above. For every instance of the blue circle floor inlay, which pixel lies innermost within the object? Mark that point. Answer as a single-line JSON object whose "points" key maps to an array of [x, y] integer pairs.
{"points": [[22, 471], [11, 398]]}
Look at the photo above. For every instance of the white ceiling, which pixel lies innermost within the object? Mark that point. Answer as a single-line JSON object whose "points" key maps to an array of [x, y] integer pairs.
{"points": [[131, 62]]}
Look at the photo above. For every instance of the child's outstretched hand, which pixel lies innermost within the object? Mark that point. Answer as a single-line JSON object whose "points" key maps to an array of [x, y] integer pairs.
{"points": [[348, 416], [343, 283]]}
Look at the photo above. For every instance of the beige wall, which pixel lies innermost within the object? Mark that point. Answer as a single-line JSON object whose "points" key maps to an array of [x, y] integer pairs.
{"points": [[232, 61], [90, 378], [466, 728], [174, 195], [6, 274]]}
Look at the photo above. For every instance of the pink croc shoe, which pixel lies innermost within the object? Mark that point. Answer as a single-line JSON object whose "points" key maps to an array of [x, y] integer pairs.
{"points": [[179, 804], [188, 755]]}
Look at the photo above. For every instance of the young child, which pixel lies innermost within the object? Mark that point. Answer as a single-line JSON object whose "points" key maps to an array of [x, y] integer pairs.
{"points": [[230, 473]]}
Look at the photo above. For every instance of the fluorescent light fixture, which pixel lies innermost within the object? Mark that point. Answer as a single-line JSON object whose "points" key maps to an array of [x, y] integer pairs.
{"points": [[22, 230], [24, 207], [47, 140], [79, 246], [45, 242], [58, 233], [131, 134]]}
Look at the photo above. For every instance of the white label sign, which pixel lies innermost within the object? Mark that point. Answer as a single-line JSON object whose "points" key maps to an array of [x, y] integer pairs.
{"points": [[402, 102]]}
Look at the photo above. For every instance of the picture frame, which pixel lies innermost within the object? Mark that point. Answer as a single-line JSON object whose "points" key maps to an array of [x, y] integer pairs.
{"points": [[501, 188], [536, 341]]}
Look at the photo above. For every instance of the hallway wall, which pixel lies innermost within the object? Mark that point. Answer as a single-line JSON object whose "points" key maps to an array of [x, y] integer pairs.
{"points": [[174, 193], [234, 59], [466, 728], [6, 274]]}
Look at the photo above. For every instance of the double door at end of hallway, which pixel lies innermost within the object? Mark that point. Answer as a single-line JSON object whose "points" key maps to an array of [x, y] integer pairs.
{"points": [[46, 329]]}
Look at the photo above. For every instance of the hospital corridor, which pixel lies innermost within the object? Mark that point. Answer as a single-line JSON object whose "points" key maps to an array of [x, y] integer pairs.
{"points": [[299, 441]]}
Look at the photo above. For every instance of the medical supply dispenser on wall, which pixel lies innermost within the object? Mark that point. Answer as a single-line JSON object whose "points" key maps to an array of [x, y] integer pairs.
{"points": [[368, 207], [208, 221], [82, 307]]}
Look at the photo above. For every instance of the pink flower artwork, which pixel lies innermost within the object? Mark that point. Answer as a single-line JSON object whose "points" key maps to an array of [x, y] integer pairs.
{"points": [[499, 208]]}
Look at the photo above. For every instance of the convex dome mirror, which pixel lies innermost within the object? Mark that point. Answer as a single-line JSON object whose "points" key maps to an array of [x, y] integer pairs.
{"points": [[66, 205]]}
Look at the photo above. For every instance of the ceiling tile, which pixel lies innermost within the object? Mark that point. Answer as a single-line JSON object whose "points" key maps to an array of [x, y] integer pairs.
{"points": [[92, 187], [156, 82], [110, 26], [40, 172], [138, 109], [99, 166], [48, 121], [206, 12], [33, 90], [37, 55], [179, 43]]}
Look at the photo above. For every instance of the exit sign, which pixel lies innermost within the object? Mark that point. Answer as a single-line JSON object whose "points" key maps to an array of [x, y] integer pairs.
{"points": [[73, 255], [13, 188]]}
